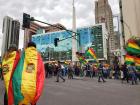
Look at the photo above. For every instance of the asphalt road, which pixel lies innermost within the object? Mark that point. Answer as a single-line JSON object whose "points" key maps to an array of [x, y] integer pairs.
{"points": [[86, 92]]}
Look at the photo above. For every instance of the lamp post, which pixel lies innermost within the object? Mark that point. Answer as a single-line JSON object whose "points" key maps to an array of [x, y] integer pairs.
{"points": [[122, 25], [74, 41]]}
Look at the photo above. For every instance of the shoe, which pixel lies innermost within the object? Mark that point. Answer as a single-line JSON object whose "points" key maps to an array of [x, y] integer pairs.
{"points": [[104, 81], [99, 81], [136, 83], [64, 80], [57, 81]]}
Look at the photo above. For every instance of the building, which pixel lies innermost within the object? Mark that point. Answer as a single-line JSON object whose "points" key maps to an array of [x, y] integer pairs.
{"points": [[10, 33], [103, 14], [14, 39], [37, 29], [95, 37], [131, 17], [117, 40], [90, 36], [117, 51]]}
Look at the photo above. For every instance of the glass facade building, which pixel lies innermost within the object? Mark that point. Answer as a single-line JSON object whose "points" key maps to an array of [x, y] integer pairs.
{"points": [[92, 36]]}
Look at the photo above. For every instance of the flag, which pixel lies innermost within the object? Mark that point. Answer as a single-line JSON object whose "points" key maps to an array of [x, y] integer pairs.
{"points": [[91, 52], [28, 78], [133, 48], [9, 63], [129, 59], [137, 66], [81, 58], [137, 62]]}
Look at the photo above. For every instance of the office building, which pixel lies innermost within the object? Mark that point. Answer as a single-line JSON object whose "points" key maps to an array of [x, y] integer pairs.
{"points": [[38, 29], [10, 33], [90, 36], [103, 14]]}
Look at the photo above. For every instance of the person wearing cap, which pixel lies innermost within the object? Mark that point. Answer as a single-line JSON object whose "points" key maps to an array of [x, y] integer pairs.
{"points": [[28, 78], [9, 63]]}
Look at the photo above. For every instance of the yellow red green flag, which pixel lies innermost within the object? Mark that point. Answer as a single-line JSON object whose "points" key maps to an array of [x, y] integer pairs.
{"points": [[28, 78], [9, 63]]}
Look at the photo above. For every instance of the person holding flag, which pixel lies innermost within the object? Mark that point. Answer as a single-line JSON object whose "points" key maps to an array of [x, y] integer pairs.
{"points": [[9, 63], [28, 78]]}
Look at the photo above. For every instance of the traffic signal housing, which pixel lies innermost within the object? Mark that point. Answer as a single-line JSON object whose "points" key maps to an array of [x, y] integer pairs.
{"points": [[56, 42], [26, 21]]}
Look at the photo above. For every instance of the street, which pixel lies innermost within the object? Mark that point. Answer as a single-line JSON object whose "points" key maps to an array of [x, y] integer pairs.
{"points": [[86, 92]]}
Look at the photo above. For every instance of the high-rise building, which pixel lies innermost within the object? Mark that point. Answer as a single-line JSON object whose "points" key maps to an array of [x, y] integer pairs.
{"points": [[103, 14], [131, 17], [39, 29], [10, 33], [14, 39], [117, 40]]}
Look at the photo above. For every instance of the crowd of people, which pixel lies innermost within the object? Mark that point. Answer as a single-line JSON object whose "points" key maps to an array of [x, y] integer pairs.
{"points": [[102, 71]]}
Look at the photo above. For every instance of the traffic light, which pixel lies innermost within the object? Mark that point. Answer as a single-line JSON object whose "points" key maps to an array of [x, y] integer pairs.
{"points": [[56, 41], [26, 20]]}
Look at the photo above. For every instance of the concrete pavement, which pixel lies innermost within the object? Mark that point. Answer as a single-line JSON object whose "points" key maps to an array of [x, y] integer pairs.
{"points": [[87, 92]]}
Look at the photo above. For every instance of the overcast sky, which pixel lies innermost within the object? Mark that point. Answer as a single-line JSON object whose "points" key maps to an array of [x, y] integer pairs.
{"points": [[52, 11]]}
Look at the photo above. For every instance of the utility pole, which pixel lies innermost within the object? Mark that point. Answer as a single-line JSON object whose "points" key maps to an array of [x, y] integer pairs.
{"points": [[121, 19], [74, 41], [122, 39]]}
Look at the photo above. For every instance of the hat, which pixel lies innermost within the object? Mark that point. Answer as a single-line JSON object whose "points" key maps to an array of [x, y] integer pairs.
{"points": [[31, 44]]}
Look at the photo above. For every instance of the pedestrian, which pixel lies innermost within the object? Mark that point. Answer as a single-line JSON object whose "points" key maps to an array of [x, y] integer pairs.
{"points": [[132, 72], [46, 69], [104, 71], [121, 75], [117, 70], [70, 72], [88, 70], [100, 73], [28, 78], [1, 72], [59, 72], [125, 74], [9, 63]]}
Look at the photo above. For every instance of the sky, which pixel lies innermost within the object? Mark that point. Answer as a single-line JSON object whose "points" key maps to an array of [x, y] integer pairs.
{"points": [[51, 11]]}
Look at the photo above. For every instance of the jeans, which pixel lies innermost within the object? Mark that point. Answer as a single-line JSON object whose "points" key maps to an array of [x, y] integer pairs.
{"points": [[133, 77], [59, 75]]}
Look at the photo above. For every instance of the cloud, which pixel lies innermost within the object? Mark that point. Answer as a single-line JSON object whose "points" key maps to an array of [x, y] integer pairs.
{"points": [[52, 11]]}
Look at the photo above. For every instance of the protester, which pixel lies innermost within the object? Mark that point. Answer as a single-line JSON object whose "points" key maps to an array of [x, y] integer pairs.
{"points": [[132, 71], [28, 78], [9, 63], [1, 77], [125, 73], [117, 71], [70, 72], [88, 70], [100, 73], [46, 65], [59, 72]]}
